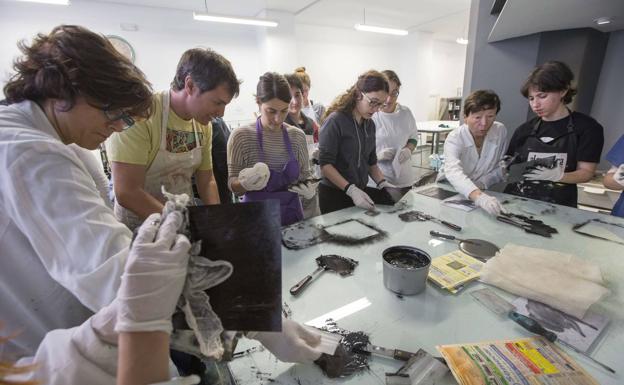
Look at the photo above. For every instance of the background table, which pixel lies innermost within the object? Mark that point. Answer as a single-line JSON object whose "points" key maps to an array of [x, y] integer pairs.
{"points": [[434, 317], [433, 127]]}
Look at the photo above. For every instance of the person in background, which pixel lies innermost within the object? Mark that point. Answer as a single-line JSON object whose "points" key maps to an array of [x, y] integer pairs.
{"points": [[397, 137], [614, 179], [174, 143], [220, 136], [347, 147], [473, 152], [314, 111], [573, 138], [310, 128], [269, 159]]}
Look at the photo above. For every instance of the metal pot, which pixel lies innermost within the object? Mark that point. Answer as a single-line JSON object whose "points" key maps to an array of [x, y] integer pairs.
{"points": [[405, 269]]}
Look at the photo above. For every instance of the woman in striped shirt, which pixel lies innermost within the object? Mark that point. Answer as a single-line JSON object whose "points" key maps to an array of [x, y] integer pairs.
{"points": [[269, 159]]}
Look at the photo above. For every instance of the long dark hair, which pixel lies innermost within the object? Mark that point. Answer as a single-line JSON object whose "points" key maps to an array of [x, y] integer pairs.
{"points": [[272, 85], [72, 61], [369, 81], [552, 76]]}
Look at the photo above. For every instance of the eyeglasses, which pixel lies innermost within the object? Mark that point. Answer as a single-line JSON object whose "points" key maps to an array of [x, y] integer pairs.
{"points": [[373, 103], [115, 115]]}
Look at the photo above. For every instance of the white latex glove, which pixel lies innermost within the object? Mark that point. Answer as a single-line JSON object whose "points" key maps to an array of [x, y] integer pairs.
{"points": [[295, 343], [254, 178], [618, 176], [490, 204], [544, 173], [307, 190], [360, 198], [405, 154], [386, 154], [315, 153], [385, 184], [154, 276]]}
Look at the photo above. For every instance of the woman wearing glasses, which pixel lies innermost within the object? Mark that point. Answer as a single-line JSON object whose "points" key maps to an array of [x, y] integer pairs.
{"points": [[62, 251], [347, 147]]}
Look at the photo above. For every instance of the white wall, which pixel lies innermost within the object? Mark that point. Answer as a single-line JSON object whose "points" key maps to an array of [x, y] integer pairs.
{"points": [[333, 57], [607, 107]]}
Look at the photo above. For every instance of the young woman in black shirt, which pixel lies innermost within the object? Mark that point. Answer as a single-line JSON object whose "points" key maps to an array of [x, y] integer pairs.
{"points": [[573, 138]]}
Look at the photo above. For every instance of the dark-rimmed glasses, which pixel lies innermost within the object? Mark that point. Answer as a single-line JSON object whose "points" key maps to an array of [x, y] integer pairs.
{"points": [[115, 115], [373, 103]]}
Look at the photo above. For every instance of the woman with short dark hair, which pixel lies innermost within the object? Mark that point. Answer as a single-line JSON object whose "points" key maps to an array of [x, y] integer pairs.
{"points": [[472, 151], [348, 149], [269, 159], [574, 140], [62, 250]]}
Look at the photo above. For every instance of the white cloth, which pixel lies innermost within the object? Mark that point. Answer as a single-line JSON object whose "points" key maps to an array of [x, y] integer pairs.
{"points": [[562, 281], [462, 164], [62, 251], [254, 178], [93, 164], [393, 130], [169, 169]]}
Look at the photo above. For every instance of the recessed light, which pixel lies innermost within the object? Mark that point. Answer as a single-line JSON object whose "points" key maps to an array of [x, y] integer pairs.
{"points": [[55, 2], [373, 28], [603, 20], [234, 20]]}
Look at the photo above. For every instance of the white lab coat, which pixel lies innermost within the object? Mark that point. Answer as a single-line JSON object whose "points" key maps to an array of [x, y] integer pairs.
{"points": [[463, 167], [393, 130], [62, 252], [71, 357], [75, 356], [93, 164]]}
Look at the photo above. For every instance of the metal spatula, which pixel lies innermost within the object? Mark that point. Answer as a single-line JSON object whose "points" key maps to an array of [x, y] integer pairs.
{"points": [[341, 265]]}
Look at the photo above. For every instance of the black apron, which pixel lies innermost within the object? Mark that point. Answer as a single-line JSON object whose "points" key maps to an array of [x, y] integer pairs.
{"points": [[553, 192]]}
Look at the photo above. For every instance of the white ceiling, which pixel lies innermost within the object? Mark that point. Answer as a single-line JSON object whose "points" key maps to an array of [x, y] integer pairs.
{"points": [[446, 19], [524, 17]]}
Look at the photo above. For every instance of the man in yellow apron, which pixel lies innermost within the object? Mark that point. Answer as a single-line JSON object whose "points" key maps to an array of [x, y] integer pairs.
{"points": [[174, 143]]}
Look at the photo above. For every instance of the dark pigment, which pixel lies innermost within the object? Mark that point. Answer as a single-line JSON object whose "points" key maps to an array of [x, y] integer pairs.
{"points": [[404, 259]]}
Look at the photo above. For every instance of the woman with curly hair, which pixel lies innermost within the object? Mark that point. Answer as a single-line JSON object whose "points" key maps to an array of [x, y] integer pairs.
{"points": [[348, 149]]}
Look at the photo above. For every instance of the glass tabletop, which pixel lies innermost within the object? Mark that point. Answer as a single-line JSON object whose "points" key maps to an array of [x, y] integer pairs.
{"points": [[360, 302]]}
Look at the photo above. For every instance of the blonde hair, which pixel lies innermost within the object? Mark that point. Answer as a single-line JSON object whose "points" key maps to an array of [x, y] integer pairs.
{"points": [[303, 75]]}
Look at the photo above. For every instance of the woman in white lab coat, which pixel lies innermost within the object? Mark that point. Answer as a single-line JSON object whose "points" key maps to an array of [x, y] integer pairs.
{"points": [[61, 249], [473, 151], [396, 137]]}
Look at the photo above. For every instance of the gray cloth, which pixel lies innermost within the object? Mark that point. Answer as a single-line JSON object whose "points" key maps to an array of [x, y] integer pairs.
{"points": [[202, 275], [349, 147]]}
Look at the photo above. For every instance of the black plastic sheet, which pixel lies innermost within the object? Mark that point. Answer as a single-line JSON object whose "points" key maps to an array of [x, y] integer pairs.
{"points": [[248, 235]]}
